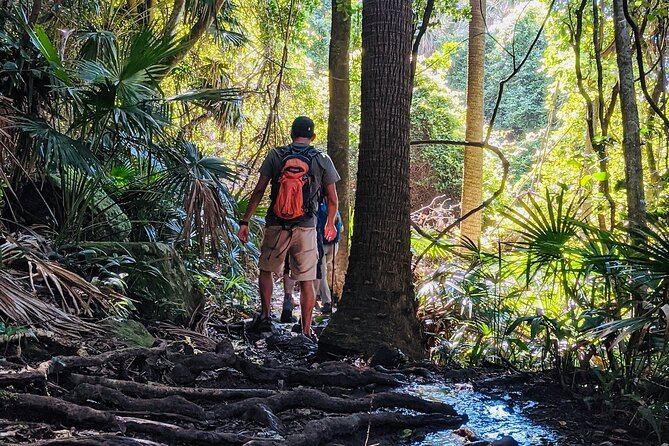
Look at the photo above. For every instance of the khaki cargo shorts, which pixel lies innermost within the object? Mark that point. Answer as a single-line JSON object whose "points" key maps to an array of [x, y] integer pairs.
{"points": [[299, 244]]}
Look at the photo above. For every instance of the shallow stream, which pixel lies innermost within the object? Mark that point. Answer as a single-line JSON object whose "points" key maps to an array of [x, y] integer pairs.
{"points": [[490, 418]]}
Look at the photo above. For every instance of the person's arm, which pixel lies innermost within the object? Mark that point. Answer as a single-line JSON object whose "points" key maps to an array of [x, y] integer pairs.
{"points": [[332, 202], [254, 201]]}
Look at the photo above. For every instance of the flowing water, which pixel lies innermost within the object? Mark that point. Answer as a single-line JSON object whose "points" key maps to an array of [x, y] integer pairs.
{"points": [[490, 418]]}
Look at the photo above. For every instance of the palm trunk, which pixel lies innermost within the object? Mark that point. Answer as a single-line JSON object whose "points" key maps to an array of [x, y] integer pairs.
{"points": [[378, 305], [338, 124], [472, 183]]}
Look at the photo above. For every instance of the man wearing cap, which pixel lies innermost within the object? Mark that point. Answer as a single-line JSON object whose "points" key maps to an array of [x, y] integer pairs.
{"points": [[295, 238]]}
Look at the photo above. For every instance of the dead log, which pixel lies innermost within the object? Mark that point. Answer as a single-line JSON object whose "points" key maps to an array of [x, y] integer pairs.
{"points": [[330, 428], [160, 391], [112, 398], [315, 378], [315, 399]]}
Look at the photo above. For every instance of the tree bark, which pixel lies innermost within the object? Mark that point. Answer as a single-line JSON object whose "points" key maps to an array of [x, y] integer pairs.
{"points": [[655, 179], [338, 124], [636, 206], [378, 305], [472, 183]]}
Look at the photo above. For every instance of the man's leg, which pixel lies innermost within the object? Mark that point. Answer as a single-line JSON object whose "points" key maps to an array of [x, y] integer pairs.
{"points": [[323, 288], [287, 306], [288, 287], [272, 256], [266, 287], [303, 266], [307, 301]]}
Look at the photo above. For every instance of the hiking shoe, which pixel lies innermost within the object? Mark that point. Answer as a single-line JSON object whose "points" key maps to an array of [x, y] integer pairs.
{"points": [[311, 336], [259, 325], [326, 308]]}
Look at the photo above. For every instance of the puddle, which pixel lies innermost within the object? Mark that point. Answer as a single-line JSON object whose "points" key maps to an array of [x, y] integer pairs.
{"points": [[490, 418]]}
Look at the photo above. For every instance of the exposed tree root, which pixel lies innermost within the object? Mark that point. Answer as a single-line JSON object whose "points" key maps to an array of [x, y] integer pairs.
{"points": [[160, 391], [329, 428], [97, 440], [113, 398], [315, 399], [317, 378], [32, 407], [107, 409]]}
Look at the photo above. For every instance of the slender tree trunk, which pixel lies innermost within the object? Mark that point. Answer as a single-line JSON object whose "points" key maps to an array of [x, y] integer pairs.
{"points": [[378, 306], [472, 183], [338, 124], [636, 205], [655, 179]]}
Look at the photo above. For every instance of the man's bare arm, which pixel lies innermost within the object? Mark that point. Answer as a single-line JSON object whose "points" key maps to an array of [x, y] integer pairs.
{"points": [[332, 202], [254, 201]]}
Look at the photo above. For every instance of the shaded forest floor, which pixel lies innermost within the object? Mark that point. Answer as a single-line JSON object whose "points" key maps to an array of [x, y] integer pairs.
{"points": [[230, 388]]}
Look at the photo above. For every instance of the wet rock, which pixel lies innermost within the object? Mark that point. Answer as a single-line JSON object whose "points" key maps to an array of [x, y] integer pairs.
{"points": [[466, 433], [505, 441], [478, 443]]}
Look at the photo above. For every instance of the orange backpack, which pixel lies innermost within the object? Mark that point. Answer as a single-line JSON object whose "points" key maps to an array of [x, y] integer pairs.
{"points": [[294, 199]]}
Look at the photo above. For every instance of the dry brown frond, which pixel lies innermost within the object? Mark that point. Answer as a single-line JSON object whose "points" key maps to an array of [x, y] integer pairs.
{"points": [[74, 293], [21, 306], [204, 214]]}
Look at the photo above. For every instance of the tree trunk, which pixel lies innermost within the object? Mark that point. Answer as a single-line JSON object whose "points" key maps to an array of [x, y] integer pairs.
{"points": [[378, 306], [472, 183], [655, 179], [636, 206], [338, 124]]}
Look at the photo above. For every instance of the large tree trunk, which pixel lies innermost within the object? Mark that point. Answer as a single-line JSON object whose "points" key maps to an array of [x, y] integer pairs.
{"points": [[472, 183], [378, 305], [338, 148], [636, 206]]}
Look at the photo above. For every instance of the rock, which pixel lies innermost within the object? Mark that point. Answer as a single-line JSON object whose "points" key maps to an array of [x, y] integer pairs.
{"points": [[478, 443], [505, 441], [157, 281], [466, 433], [130, 333]]}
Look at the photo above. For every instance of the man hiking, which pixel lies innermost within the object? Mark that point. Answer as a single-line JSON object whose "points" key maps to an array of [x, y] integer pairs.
{"points": [[297, 173]]}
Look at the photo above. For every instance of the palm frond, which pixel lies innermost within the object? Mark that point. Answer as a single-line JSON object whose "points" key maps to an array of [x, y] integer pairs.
{"points": [[22, 307]]}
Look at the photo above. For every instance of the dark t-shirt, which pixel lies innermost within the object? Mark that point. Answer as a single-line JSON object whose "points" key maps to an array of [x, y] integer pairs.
{"points": [[324, 173]]}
